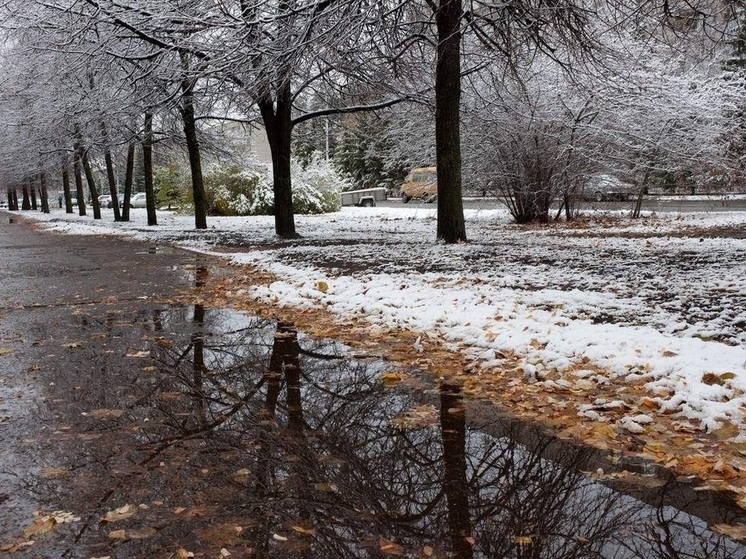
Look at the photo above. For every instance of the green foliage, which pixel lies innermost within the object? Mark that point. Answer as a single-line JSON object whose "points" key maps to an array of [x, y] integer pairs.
{"points": [[367, 155], [171, 184]]}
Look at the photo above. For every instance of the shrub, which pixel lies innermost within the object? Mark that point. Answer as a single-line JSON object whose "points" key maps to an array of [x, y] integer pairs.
{"points": [[235, 190]]}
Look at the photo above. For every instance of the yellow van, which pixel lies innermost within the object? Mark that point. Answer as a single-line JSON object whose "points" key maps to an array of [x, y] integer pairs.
{"points": [[421, 182]]}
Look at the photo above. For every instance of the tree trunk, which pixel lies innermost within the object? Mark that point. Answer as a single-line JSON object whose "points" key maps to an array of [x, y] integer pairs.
{"points": [[78, 183], [279, 127], [43, 193], [147, 160], [32, 192], [90, 179], [66, 188], [26, 204], [451, 227], [128, 175], [11, 199], [195, 162], [110, 175]]}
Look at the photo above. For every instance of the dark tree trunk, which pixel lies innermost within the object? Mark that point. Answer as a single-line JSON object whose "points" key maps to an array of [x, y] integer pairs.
{"points": [[147, 162], [26, 204], [195, 161], [11, 199], [32, 193], [79, 183], [14, 196], [90, 179], [279, 127], [66, 188], [128, 175], [110, 175], [451, 226], [43, 193]]}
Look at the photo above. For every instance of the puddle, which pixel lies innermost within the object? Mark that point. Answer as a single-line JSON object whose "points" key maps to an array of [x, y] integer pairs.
{"points": [[196, 430]]}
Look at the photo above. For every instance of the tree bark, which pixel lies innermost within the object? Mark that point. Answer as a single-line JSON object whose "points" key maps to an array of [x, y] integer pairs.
{"points": [[43, 193], [79, 183], [451, 227], [66, 188], [32, 193], [195, 162], [110, 175], [147, 160], [26, 204], [128, 176], [279, 127], [90, 179]]}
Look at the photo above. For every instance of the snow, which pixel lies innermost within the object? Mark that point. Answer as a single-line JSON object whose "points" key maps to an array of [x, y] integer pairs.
{"points": [[610, 300]]}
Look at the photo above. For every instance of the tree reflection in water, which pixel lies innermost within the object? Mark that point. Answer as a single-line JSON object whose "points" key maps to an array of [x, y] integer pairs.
{"points": [[286, 446]]}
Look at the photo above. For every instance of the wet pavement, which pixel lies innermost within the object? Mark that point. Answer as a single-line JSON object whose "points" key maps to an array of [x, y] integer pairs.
{"points": [[135, 425]]}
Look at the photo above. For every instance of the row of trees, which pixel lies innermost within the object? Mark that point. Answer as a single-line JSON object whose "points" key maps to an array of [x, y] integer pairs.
{"points": [[547, 92]]}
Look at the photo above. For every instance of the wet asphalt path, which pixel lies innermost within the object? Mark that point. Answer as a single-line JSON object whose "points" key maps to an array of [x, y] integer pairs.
{"points": [[51, 286]]}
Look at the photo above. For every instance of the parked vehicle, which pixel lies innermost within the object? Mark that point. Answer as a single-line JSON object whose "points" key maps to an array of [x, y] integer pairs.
{"points": [[366, 197], [602, 188], [421, 182], [138, 200], [104, 201]]}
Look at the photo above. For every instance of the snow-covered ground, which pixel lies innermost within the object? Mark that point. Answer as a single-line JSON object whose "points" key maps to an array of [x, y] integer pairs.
{"points": [[658, 302]]}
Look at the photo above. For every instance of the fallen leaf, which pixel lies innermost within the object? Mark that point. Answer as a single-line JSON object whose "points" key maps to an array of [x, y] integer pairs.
{"points": [[523, 540], [105, 414], [120, 514], [322, 286], [138, 354], [141, 533], [428, 551], [118, 535], [304, 531], [389, 547], [735, 531], [40, 526], [279, 538]]}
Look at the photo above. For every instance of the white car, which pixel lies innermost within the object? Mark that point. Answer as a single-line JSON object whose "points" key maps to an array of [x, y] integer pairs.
{"points": [[138, 200]]}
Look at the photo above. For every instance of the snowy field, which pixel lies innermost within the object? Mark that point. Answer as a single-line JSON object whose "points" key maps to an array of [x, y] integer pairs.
{"points": [[658, 303]]}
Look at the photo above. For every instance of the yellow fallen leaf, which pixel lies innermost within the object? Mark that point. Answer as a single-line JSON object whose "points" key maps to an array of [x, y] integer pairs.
{"points": [[40, 526], [120, 514], [390, 548], [523, 540], [322, 286], [118, 535], [304, 531], [736, 531], [428, 551]]}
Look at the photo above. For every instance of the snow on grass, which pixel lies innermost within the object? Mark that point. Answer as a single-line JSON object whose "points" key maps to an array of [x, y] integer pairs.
{"points": [[656, 300]]}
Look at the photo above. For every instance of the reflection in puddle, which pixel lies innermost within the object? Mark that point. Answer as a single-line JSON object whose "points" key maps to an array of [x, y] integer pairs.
{"points": [[239, 434]]}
